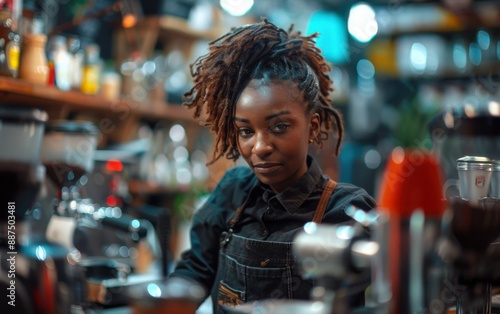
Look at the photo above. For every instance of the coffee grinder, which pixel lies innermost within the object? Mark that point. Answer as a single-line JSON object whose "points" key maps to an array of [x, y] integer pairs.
{"points": [[67, 154], [468, 147], [36, 276]]}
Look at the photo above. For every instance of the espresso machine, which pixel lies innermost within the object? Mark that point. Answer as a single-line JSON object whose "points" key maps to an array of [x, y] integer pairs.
{"points": [[37, 276], [112, 246], [67, 150]]}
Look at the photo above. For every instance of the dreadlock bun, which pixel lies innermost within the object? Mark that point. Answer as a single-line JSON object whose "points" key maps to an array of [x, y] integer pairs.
{"points": [[264, 52]]}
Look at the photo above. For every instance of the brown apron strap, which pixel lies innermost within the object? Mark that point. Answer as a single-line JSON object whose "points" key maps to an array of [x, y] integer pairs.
{"points": [[323, 201], [237, 214]]}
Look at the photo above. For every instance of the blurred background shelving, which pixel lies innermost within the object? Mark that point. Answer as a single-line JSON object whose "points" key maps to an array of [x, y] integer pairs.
{"points": [[384, 48], [123, 65], [395, 64], [386, 55], [54, 100]]}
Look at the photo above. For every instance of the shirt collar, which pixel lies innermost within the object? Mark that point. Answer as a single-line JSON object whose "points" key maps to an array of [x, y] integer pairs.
{"points": [[296, 194]]}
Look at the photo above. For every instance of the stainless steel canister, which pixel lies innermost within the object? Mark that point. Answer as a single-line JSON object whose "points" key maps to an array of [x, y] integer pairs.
{"points": [[474, 175], [495, 180]]}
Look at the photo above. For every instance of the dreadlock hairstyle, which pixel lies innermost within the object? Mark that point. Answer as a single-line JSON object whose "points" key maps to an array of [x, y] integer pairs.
{"points": [[265, 52]]}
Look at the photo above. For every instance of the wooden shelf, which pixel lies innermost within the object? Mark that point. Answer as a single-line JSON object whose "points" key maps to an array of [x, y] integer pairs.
{"points": [[488, 72], [54, 100], [177, 26], [451, 22], [442, 31], [139, 187]]}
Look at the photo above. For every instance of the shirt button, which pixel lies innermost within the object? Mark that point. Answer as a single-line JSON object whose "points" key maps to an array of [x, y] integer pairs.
{"points": [[265, 233]]}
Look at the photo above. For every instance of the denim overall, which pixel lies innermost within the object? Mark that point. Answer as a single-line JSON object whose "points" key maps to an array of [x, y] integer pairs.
{"points": [[251, 269]]}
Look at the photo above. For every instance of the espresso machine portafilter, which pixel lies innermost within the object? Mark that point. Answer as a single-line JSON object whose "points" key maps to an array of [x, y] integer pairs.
{"points": [[342, 259]]}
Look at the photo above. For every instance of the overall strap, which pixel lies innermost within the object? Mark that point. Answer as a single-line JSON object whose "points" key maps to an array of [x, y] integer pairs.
{"points": [[227, 235], [237, 214], [323, 201]]}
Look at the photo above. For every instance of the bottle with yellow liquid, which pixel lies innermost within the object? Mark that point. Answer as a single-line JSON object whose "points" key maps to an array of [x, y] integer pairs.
{"points": [[9, 45], [91, 71]]}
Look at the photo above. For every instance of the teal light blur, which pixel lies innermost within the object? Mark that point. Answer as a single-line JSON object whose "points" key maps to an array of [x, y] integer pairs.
{"points": [[333, 35]]}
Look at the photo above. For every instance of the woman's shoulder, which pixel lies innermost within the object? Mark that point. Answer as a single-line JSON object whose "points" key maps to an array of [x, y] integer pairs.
{"points": [[229, 193], [350, 189], [346, 192], [239, 172], [235, 184], [237, 177], [344, 195]]}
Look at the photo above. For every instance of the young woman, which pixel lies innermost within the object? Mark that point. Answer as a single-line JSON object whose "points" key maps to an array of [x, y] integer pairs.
{"points": [[265, 94]]}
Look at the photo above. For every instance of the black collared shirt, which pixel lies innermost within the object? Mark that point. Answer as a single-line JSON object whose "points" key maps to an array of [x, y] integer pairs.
{"points": [[267, 216]]}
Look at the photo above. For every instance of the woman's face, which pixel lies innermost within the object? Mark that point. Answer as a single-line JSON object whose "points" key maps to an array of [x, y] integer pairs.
{"points": [[273, 132]]}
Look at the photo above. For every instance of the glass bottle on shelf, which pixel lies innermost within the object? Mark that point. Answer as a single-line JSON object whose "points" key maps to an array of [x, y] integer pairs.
{"points": [[133, 78], [33, 65], [3, 58], [10, 45], [60, 63], [91, 71], [77, 57]]}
